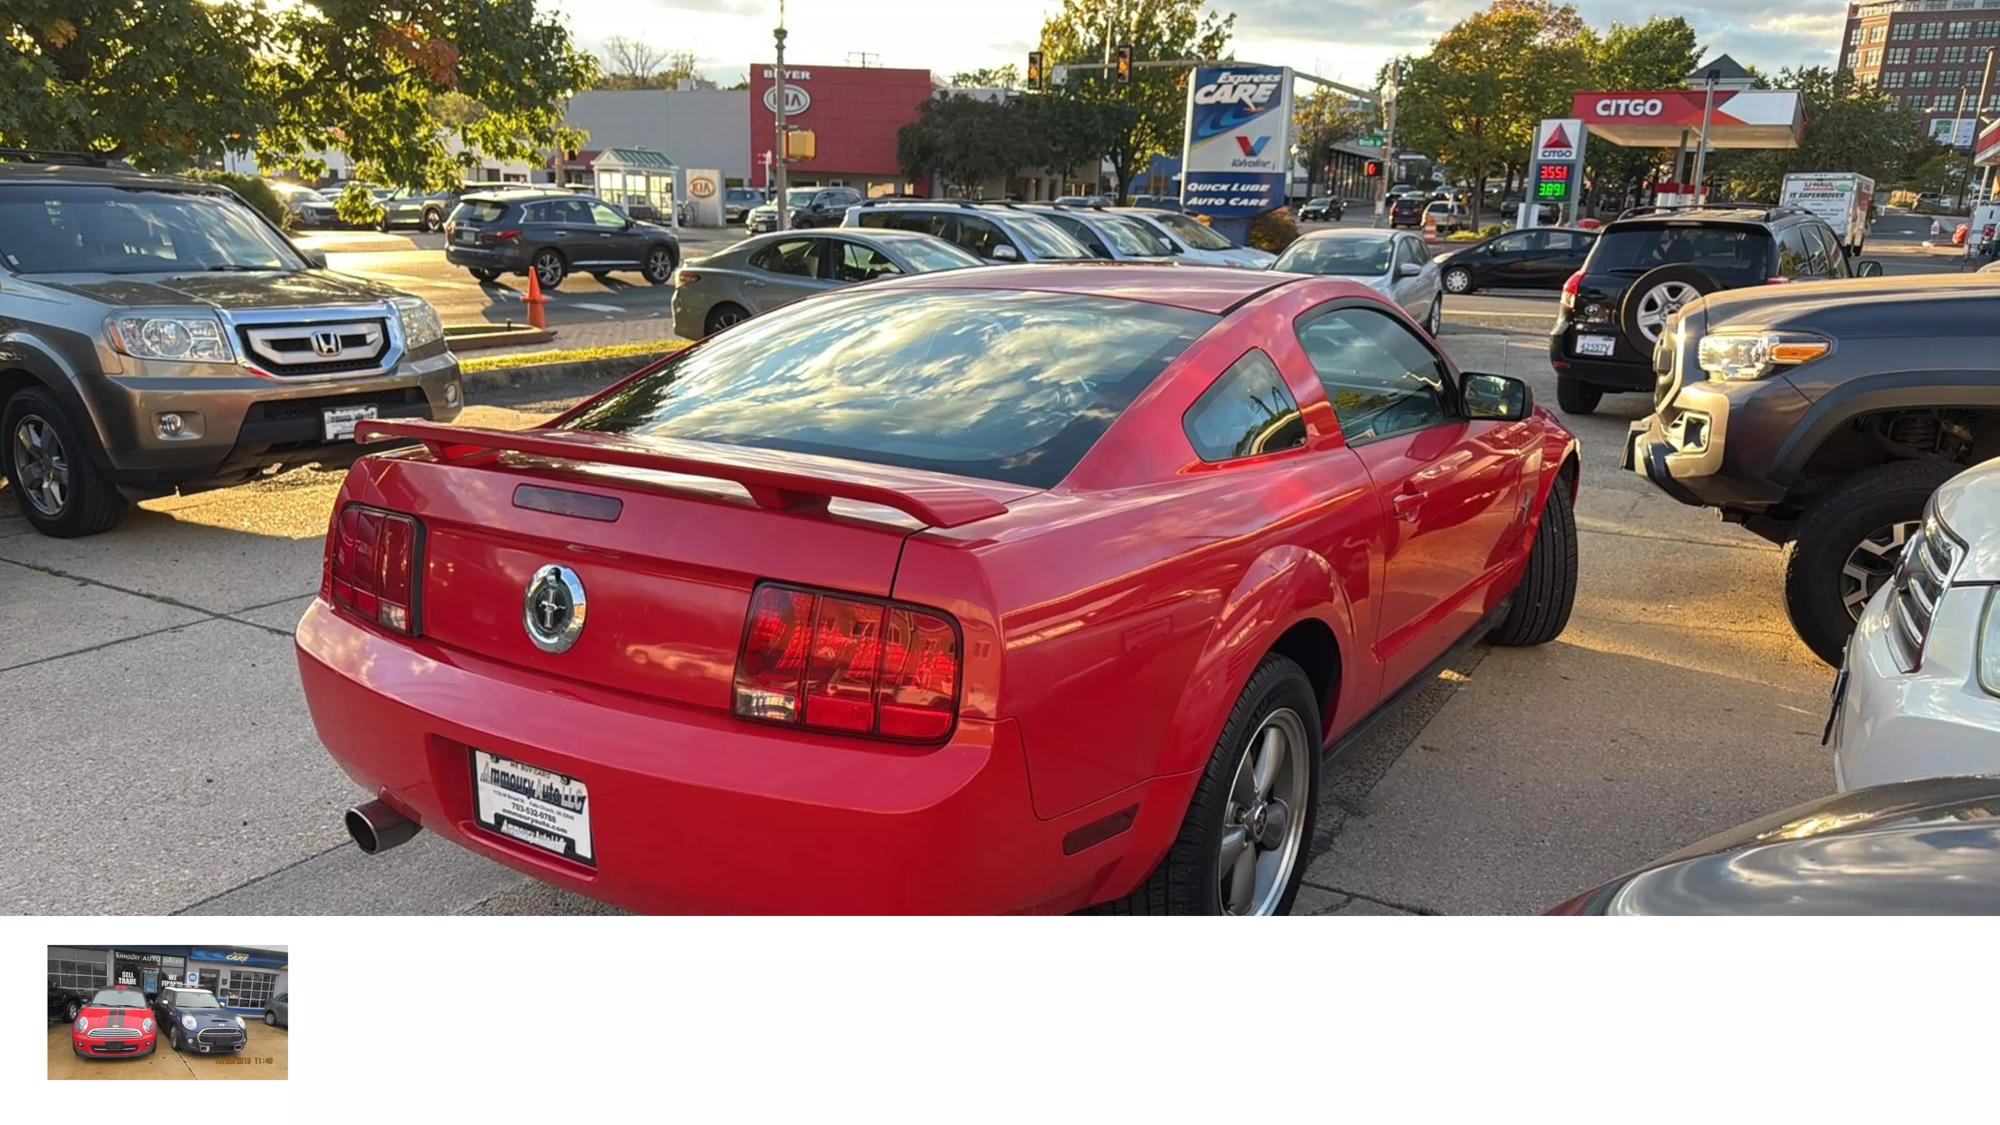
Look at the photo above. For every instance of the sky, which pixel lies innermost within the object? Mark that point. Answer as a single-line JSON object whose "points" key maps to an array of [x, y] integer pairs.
{"points": [[948, 36]]}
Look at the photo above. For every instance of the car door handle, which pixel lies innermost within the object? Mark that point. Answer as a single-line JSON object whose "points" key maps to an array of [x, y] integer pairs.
{"points": [[1406, 504]]}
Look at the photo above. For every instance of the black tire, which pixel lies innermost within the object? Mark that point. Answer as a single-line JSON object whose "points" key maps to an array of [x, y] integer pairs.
{"points": [[1632, 305], [433, 220], [1576, 396], [173, 1037], [1547, 593], [270, 1019], [91, 504], [1834, 528], [722, 316], [1434, 319], [72, 1010], [550, 267], [485, 276], [660, 264], [1187, 879], [1457, 280]]}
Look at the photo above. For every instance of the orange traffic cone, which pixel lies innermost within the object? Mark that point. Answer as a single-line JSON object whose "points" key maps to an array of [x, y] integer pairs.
{"points": [[537, 314]]}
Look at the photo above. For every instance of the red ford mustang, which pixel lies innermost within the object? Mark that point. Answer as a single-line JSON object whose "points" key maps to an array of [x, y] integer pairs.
{"points": [[116, 1023], [1021, 589]]}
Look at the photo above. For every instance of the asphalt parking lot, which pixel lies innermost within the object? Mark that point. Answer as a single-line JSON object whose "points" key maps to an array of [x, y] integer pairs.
{"points": [[163, 762], [266, 1057]]}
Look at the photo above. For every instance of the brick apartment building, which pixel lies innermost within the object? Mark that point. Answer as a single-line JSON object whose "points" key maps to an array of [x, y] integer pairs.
{"points": [[1928, 53]]}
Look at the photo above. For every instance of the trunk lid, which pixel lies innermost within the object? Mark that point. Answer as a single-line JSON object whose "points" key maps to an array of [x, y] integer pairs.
{"points": [[666, 539]]}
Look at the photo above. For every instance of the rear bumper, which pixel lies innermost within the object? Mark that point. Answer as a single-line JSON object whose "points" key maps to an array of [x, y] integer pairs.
{"points": [[483, 258], [695, 812]]}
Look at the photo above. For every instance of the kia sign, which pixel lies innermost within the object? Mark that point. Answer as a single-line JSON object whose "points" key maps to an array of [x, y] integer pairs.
{"points": [[704, 190], [797, 101], [1239, 142], [1656, 118]]}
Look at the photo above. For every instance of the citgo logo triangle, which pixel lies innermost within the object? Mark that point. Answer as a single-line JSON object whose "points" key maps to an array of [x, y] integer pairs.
{"points": [[1557, 139]]}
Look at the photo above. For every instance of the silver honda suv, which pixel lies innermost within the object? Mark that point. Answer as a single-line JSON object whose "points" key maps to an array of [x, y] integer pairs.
{"points": [[159, 335]]}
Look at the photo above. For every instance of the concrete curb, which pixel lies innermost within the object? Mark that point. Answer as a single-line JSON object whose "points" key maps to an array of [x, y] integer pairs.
{"points": [[593, 373]]}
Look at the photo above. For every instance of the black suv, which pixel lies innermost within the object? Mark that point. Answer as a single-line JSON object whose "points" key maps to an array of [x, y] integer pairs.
{"points": [[1650, 262], [1822, 417], [554, 233]]}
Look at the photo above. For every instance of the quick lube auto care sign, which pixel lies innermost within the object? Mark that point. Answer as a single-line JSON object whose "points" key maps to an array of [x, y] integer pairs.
{"points": [[1239, 140]]}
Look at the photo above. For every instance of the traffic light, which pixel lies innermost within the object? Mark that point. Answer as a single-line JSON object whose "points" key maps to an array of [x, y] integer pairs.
{"points": [[1372, 169], [1125, 62], [1034, 69]]}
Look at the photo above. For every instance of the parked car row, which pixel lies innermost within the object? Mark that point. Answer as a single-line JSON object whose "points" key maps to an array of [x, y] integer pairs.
{"points": [[123, 1022]]}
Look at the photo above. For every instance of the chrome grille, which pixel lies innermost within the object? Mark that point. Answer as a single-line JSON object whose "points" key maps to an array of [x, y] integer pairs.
{"points": [[1922, 573], [219, 1034], [317, 348], [115, 1033]]}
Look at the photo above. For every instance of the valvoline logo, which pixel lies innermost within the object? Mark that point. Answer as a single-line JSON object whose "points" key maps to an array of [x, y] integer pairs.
{"points": [[1250, 147]]}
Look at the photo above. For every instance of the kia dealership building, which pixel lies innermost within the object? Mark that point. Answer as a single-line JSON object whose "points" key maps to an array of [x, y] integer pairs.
{"points": [[243, 977]]}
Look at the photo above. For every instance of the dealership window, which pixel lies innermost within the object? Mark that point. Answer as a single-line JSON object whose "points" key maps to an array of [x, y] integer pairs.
{"points": [[73, 971], [244, 988]]}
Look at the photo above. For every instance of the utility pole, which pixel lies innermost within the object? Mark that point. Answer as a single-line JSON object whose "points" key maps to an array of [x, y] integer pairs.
{"points": [[1978, 121], [778, 150], [1701, 151], [1388, 139]]}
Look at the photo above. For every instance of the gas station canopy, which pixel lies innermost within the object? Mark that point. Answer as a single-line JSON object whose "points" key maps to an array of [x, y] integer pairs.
{"points": [[1669, 118], [1986, 150]]}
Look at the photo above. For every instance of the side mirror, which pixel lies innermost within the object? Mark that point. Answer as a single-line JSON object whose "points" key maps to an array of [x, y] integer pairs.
{"points": [[316, 260], [1500, 398], [1006, 253], [1868, 267], [1409, 269], [628, 224]]}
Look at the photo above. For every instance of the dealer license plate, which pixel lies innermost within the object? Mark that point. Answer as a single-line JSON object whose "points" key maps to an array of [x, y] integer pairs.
{"points": [[466, 234], [532, 805], [1595, 345], [341, 420]]}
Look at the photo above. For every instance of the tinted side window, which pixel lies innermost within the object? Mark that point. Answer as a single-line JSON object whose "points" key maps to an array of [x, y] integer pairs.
{"points": [[861, 263], [1379, 377], [1794, 259], [602, 215], [1513, 244], [798, 257], [875, 219], [1829, 244], [1075, 228], [1562, 240], [1247, 411], [980, 235]]}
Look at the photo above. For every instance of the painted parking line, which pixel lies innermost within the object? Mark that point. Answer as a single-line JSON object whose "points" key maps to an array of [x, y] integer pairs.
{"points": [[608, 309]]}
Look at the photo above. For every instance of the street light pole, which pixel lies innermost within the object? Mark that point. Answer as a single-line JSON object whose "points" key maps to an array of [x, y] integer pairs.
{"points": [[1389, 89], [1701, 150], [778, 110], [1978, 121]]}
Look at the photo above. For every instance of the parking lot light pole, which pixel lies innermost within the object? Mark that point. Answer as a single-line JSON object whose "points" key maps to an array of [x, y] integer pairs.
{"points": [[778, 110], [1389, 87], [1701, 150]]}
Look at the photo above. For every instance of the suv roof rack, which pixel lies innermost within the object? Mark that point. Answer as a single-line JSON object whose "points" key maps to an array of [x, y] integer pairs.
{"points": [[1769, 210], [61, 156], [887, 200]]}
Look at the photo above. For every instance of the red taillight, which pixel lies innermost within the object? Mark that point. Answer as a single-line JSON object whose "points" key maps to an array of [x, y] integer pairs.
{"points": [[1777, 281], [686, 276], [371, 566], [1571, 288], [855, 665], [505, 235]]}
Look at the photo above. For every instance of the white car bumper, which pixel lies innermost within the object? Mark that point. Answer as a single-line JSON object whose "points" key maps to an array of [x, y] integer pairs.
{"points": [[1891, 725]]}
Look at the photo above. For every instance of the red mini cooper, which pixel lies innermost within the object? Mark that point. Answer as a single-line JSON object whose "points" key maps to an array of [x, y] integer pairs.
{"points": [[116, 1023], [1017, 589]]}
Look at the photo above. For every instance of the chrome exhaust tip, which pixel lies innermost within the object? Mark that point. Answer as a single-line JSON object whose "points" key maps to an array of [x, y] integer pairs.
{"points": [[376, 827]]}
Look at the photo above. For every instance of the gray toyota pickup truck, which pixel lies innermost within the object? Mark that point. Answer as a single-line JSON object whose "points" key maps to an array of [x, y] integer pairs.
{"points": [[158, 335]]}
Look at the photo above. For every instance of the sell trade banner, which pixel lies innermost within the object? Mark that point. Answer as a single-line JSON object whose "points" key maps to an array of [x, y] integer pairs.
{"points": [[1239, 140]]}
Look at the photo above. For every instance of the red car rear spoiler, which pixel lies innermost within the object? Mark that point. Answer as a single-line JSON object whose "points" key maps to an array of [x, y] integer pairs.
{"points": [[781, 481]]}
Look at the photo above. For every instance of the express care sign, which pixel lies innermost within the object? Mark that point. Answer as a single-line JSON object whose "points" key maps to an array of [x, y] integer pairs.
{"points": [[1238, 140]]}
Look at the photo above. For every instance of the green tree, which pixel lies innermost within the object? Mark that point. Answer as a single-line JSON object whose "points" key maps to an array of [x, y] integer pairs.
{"points": [[1325, 118], [1849, 127], [1475, 100], [1148, 113], [1061, 134], [963, 141], [1655, 55], [171, 84], [1006, 76]]}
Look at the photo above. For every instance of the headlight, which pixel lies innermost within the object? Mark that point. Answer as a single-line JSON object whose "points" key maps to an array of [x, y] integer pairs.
{"points": [[239, 1023], [146, 1025], [187, 1022], [1989, 643], [1743, 356], [82, 1024], [420, 322], [196, 339]]}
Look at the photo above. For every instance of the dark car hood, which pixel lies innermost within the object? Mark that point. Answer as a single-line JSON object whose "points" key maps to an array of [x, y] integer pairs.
{"points": [[204, 1017], [275, 289], [1916, 847], [1855, 306]]}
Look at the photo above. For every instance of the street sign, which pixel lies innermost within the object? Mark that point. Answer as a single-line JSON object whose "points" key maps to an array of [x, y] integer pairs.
{"points": [[1370, 140]]}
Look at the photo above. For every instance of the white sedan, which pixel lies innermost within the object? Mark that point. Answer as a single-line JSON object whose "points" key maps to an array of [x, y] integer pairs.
{"points": [[1395, 264], [1919, 693]]}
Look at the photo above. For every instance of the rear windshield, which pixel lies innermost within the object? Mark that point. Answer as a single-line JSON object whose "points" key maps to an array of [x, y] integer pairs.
{"points": [[927, 254], [1732, 255], [1006, 386], [478, 211], [1338, 257], [78, 228]]}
